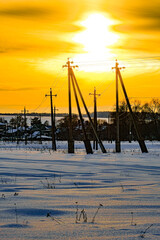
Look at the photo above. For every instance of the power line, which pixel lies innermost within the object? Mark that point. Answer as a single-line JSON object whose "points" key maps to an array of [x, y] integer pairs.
{"points": [[107, 87], [43, 100]]}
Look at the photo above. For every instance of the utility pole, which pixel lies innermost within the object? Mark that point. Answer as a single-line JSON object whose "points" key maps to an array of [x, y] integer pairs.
{"points": [[17, 130], [139, 138], [52, 120], [70, 137], [95, 142], [118, 146], [40, 129], [25, 123], [76, 89]]}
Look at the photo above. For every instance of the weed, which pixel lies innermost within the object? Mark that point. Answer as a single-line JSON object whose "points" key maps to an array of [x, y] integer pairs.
{"points": [[144, 232], [132, 224], [60, 177], [25, 222], [77, 212], [84, 215], [3, 181], [76, 185], [16, 213], [3, 196], [100, 205], [16, 194], [48, 184], [53, 218], [122, 187]]}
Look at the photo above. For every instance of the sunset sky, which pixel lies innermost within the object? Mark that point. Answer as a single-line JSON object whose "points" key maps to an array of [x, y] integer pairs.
{"points": [[38, 36]]}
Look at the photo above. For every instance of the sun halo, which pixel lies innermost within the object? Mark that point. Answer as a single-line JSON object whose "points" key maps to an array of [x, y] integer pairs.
{"points": [[96, 39]]}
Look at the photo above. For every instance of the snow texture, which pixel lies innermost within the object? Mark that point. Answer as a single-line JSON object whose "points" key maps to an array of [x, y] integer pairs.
{"points": [[56, 195]]}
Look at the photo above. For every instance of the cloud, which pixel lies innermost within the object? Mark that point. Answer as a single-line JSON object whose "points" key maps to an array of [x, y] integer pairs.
{"points": [[39, 27], [141, 26], [139, 44], [134, 15], [147, 12], [24, 11], [18, 89], [57, 11], [40, 47]]}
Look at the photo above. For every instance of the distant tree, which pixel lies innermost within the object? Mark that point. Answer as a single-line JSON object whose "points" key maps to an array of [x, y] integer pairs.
{"points": [[63, 127], [64, 122], [146, 115], [13, 122], [36, 121], [20, 120], [153, 111], [2, 120], [136, 106], [46, 123], [123, 107], [153, 106], [17, 121]]}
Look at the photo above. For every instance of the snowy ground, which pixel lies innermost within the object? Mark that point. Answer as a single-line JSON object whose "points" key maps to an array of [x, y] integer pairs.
{"points": [[41, 191]]}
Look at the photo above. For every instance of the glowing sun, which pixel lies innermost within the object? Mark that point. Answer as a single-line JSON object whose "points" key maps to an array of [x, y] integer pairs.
{"points": [[96, 38]]}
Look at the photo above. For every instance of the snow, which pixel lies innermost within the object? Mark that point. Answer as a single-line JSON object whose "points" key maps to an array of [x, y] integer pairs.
{"points": [[12, 131], [2, 124], [35, 134], [41, 191]]}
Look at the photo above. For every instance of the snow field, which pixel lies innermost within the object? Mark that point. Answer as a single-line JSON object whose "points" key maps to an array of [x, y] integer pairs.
{"points": [[36, 182]]}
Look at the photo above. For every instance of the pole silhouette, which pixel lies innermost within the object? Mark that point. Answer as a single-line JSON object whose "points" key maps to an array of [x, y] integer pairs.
{"points": [[139, 137], [95, 142], [117, 143], [70, 130], [52, 120], [76, 90], [25, 124]]}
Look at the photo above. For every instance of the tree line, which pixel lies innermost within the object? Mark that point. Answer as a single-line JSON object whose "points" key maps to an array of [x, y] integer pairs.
{"points": [[147, 116]]}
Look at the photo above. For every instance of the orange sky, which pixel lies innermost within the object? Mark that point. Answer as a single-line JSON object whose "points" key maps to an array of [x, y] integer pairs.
{"points": [[38, 36]]}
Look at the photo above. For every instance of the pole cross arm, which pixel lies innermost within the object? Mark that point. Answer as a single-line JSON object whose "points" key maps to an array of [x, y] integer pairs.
{"points": [[51, 95]]}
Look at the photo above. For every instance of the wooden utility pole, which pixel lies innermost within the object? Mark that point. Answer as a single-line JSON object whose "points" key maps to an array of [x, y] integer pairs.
{"points": [[95, 142], [72, 79], [70, 132], [17, 130], [52, 120], [139, 138], [118, 145], [25, 124], [40, 129]]}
